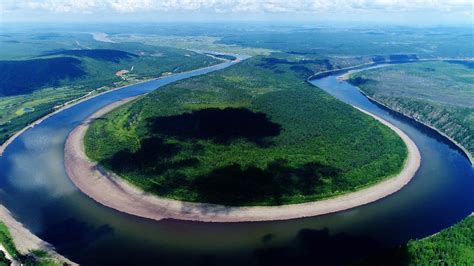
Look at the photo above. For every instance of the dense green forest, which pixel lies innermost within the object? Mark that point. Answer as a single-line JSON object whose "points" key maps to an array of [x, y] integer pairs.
{"points": [[57, 68], [25, 76], [254, 134], [440, 94], [452, 246]]}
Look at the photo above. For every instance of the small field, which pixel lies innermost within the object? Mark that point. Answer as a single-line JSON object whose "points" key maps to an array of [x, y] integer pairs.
{"points": [[254, 134]]}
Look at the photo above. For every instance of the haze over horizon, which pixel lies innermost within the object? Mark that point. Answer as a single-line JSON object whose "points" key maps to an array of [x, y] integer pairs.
{"points": [[399, 12]]}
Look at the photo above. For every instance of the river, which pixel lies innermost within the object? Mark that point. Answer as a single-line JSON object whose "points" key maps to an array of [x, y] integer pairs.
{"points": [[35, 188]]}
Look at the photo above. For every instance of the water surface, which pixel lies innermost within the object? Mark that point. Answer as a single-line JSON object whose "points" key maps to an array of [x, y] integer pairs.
{"points": [[35, 187]]}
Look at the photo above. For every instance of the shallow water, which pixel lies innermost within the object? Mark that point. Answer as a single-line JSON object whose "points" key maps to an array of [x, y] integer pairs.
{"points": [[35, 187]]}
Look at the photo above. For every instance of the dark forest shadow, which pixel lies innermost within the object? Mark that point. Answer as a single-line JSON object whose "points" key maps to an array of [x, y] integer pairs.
{"points": [[232, 185], [151, 158], [235, 185], [219, 125]]}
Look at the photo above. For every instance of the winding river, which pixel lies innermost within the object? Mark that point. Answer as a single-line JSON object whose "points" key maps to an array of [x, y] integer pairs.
{"points": [[35, 188]]}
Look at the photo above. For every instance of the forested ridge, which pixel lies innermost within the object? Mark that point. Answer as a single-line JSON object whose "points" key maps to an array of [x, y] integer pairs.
{"points": [[451, 246], [439, 94]]}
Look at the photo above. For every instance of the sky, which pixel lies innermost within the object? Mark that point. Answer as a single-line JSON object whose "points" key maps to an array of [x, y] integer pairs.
{"points": [[413, 12]]}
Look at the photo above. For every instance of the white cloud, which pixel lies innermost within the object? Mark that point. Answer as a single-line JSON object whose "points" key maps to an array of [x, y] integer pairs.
{"points": [[236, 6]]}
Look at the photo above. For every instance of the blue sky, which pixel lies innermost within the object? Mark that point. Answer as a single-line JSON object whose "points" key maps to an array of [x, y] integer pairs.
{"points": [[413, 12]]}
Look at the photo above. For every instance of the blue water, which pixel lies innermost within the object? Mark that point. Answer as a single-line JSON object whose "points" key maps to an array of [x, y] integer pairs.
{"points": [[35, 187]]}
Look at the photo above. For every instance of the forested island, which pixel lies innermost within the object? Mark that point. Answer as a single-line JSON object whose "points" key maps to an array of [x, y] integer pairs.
{"points": [[254, 134]]}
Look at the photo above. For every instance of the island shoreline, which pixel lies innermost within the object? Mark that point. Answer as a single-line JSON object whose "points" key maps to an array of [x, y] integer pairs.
{"points": [[114, 192]]}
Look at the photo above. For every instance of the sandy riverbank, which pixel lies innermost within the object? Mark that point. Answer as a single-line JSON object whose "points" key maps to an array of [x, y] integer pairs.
{"points": [[65, 106], [110, 190], [25, 241]]}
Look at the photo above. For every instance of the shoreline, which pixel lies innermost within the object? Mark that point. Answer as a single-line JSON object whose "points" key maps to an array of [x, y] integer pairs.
{"points": [[466, 152], [25, 241], [65, 106], [112, 191], [388, 62], [84, 98], [360, 68], [469, 156]]}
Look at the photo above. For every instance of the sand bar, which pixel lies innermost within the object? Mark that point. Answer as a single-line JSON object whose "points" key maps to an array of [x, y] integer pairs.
{"points": [[112, 191]]}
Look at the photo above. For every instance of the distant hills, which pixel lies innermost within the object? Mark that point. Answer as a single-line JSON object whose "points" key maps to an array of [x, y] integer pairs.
{"points": [[98, 54], [24, 76]]}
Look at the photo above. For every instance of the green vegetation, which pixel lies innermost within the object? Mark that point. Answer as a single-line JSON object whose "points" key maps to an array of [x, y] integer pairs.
{"points": [[440, 94], [253, 134], [356, 42], [208, 43], [7, 241], [99, 54], [32, 85], [3, 260], [34, 258], [25, 76], [205, 43], [452, 246], [336, 43]]}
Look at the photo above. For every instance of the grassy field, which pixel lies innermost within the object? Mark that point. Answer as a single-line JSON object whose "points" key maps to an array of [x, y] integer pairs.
{"points": [[254, 134], [44, 71], [440, 94], [205, 43]]}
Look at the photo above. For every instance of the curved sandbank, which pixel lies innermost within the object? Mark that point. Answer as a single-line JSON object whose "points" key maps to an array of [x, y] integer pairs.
{"points": [[25, 241], [112, 191]]}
